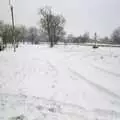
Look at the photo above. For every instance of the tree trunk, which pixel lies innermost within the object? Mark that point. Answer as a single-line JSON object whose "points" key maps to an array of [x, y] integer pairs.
{"points": [[32, 39], [50, 38], [51, 42]]}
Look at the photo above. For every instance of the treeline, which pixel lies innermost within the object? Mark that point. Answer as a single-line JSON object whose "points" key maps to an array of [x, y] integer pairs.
{"points": [[85, 38], [51, 30], [21, 33]]}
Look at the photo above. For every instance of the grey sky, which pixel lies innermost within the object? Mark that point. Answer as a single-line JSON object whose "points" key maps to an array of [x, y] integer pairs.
{"points": [[100, 16]]}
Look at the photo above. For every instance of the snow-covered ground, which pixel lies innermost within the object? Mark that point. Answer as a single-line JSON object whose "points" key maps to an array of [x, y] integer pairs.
{"points": [[77, 81]]}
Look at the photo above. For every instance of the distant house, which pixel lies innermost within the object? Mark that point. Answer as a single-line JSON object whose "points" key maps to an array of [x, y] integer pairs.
{"points": [[105, 41]]}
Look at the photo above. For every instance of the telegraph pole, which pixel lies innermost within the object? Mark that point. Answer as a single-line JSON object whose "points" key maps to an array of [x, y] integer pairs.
{"points": [[95, 39], [13, 25]]}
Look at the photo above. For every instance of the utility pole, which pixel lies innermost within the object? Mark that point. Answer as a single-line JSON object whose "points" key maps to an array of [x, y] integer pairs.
{"points": [[95, 39], [13, 26]]}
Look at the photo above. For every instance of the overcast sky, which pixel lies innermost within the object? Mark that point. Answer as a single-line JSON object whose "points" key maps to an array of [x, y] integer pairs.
{"points": [[101, 16]]}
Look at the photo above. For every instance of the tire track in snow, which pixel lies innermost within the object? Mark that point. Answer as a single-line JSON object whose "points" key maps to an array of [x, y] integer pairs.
{"points": [[104, 70], [101, 88], [43, 100], [53, 68], [54, 83], [41, 105]]}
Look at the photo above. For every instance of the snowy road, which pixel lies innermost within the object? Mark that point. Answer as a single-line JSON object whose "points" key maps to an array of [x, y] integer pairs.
{"points": [[75, 75]]}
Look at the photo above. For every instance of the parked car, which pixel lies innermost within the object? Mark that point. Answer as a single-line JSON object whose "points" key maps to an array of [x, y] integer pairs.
{"points": [[95, 46]]}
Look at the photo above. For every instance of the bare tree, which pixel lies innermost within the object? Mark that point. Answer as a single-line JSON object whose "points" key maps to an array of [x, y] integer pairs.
{"points": [[52, 24], [70, 38], [23, 33], [6, 33], [45, 22], [58, 22], [116, 36], [33, 32], [1, 28], [85, 37]]}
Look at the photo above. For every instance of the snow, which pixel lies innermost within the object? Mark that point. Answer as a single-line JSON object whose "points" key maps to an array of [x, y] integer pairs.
{"points": [[77, 81]]}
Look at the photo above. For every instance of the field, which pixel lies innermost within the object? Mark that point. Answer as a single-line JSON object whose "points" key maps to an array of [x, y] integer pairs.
{"points": [[65, 82]]}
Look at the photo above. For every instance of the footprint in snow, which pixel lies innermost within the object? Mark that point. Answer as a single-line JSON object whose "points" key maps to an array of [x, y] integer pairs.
{"points": [[53, 86]]}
